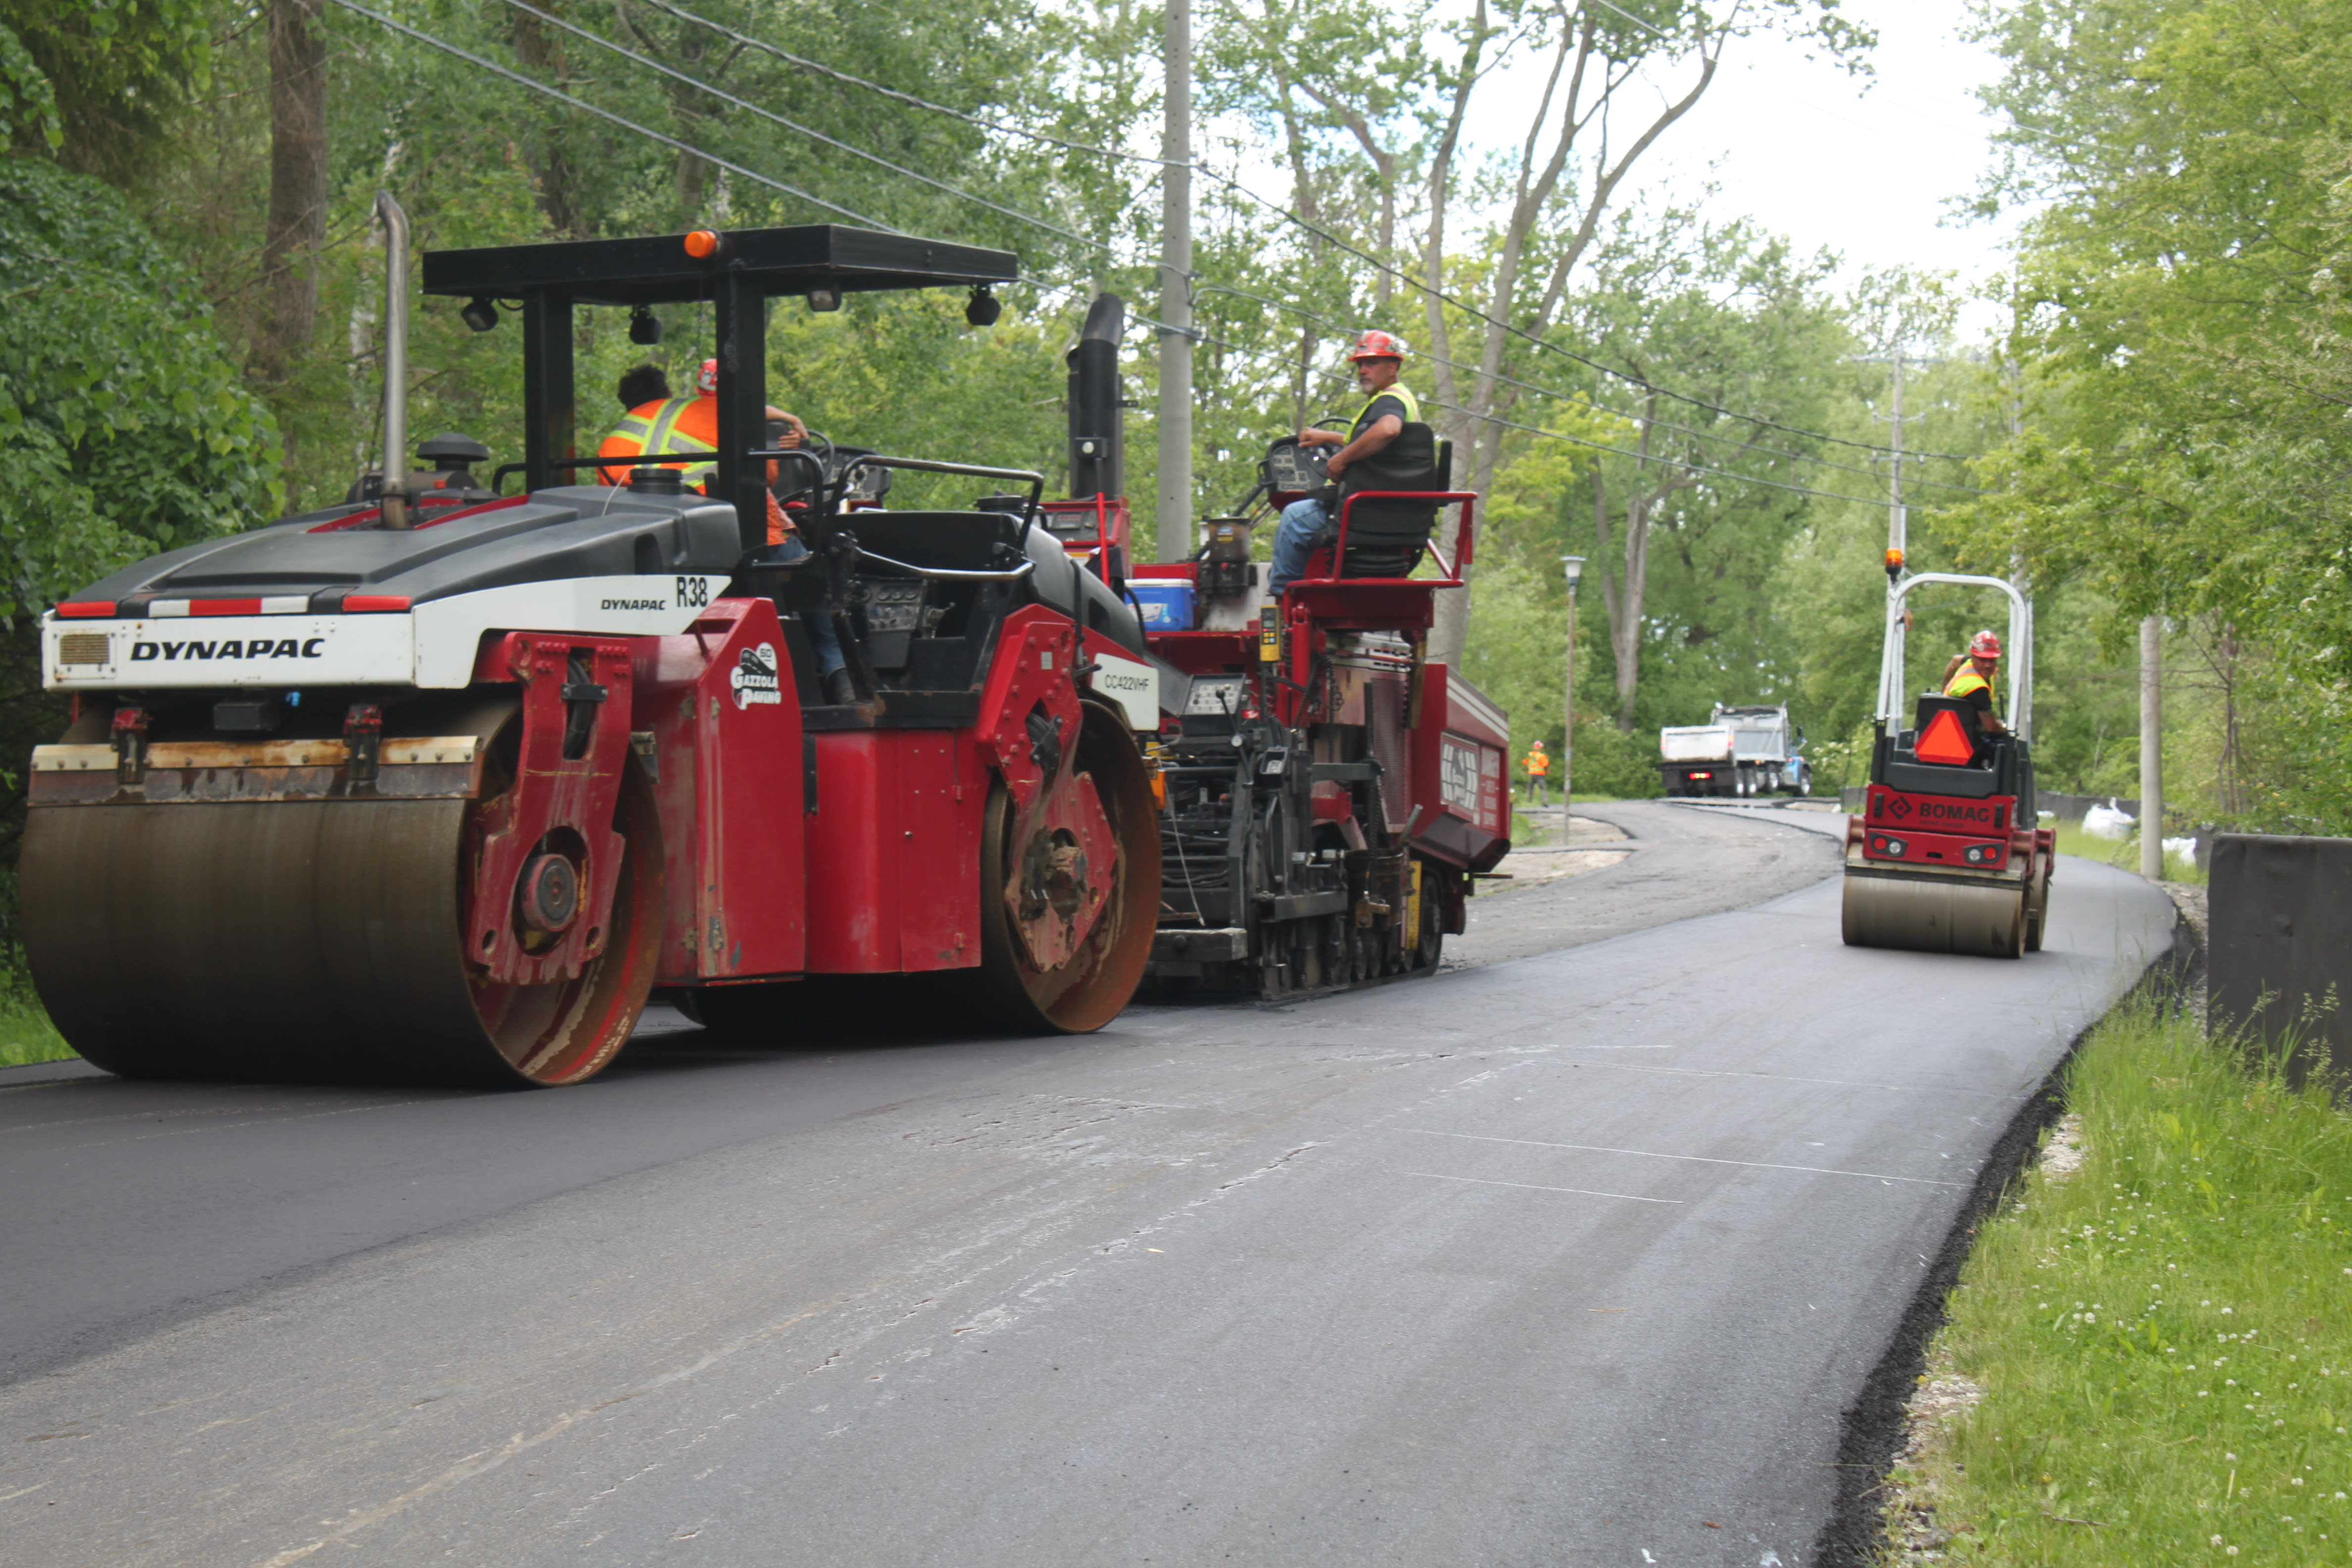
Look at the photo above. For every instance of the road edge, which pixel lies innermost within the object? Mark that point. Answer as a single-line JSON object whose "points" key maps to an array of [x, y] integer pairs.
{"points": [[1873, 1427]]}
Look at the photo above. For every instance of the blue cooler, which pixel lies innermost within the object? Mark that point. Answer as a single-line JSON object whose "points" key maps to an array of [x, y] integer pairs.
{"points": [[1167, 603]]}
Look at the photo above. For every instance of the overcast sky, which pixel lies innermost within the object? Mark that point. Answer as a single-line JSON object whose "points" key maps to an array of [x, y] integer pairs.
{"points": [[1862, 165]]}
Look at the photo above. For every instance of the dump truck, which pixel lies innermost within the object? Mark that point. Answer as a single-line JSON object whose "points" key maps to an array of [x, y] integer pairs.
{"points": [[1742, 751]]}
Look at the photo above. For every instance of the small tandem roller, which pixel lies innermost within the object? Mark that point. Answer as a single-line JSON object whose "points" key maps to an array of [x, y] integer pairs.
{"points": [[439, 786], [1947, 855]]}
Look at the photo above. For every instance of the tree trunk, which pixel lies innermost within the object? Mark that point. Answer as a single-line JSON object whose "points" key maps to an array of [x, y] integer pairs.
{"points": [[298, 186], [1623, 597], [540, 51], [1572, 114]]}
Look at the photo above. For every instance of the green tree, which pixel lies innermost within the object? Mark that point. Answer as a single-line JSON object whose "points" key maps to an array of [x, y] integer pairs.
{"points": [[2182, 338], [129, 431]]}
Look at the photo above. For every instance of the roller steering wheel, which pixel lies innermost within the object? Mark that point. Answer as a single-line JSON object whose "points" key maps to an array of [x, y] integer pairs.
{"points": [[818, 446]]}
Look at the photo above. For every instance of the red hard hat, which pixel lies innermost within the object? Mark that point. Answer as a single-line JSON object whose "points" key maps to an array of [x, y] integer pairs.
{"points": [[1984, 645], [1377, 344], [706, 378]]}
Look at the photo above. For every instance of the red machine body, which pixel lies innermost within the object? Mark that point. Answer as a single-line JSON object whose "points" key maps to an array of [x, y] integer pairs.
{"points": [[1332, 794], [442, 788]]}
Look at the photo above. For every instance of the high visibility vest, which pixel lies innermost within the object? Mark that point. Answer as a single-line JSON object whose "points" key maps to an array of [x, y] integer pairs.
{"points": [[1967, 683], [1538, 764], [1411, 408], [679, 426]]}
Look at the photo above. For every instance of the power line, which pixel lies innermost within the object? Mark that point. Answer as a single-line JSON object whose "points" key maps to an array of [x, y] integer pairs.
{"points": [[748, 41], [634, 56], [627, 124], [812, 134], [1073, 291], [1556, 394], [1242, 349]]}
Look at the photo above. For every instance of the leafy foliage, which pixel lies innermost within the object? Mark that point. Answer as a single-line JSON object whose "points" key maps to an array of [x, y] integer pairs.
{"points": [[113, 70], [128, 428], [2182, 336]]}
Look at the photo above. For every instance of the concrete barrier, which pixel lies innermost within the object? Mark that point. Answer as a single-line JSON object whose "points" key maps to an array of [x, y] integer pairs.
{"points": [[2279, 945]]}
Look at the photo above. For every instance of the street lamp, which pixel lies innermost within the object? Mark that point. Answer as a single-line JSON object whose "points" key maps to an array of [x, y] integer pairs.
{"points": [[1574, 566]]}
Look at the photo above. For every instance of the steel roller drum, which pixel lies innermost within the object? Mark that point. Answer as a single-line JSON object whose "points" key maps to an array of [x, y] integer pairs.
{"points": [[311, 941], [1921, 912]]}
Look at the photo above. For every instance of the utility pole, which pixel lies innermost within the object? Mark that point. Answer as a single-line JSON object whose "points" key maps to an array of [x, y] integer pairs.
{"points": [[1574, 566], [1175, 514], [2151, 748]]}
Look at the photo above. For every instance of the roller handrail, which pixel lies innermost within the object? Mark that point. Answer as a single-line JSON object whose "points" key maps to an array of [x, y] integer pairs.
{"points": [[951, 573], [1463, 547]]}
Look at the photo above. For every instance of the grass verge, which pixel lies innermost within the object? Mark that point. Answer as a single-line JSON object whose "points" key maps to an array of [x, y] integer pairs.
{"points": [[2123, 853], [2163, 1338], [25, 1033]]}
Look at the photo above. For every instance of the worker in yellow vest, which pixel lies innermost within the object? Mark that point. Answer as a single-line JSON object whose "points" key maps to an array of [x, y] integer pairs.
{"points": [[1537, 767], [1969, 677]]}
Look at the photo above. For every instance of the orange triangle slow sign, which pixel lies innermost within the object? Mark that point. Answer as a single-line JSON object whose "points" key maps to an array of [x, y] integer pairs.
{"points": [[1945, 741]]}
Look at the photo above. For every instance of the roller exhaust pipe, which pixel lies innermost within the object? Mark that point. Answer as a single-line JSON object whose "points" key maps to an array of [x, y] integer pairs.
{"points": [[1098, 443], [395, 360]]}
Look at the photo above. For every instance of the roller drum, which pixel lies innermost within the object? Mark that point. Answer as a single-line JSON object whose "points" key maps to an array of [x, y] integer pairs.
{"points": [[314, 941], [1935, 914]]}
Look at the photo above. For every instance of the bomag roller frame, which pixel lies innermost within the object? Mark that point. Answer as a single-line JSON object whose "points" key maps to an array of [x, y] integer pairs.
{"points": [[439, 787], [1947, 855]]}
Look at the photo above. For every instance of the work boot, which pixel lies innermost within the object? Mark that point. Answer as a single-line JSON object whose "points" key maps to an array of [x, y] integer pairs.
{"points": [[841, 689]]}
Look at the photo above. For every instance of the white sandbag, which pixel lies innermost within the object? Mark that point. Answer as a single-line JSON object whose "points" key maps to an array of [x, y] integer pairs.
{"points": [[2108, 821]]}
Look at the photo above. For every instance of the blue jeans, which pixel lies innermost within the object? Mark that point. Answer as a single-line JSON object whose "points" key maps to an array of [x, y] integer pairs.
{"points": [[826, 642], [1302, 526], [822, 638]]}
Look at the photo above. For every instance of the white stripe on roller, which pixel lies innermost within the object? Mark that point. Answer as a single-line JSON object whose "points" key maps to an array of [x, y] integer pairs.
{"points": [[285, 605], [168, 608]]}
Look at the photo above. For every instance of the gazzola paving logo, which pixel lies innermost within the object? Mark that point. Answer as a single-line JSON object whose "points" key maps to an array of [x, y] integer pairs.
{"points": [[754, 676]]}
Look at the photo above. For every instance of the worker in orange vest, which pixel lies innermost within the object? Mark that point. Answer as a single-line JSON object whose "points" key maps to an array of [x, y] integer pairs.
{"points": [[1538, 772], [689, 427], [685, 427]]}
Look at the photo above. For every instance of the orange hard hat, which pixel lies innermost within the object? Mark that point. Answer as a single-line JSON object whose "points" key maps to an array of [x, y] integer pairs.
{"points": [[707, 379], [1377, 344], [1984, 645]]}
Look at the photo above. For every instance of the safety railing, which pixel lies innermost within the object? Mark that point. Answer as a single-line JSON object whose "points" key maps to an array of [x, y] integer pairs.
{"points": [[1463, 539]]}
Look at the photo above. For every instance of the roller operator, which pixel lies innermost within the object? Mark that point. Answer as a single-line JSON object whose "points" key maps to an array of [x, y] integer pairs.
{"points": [[1969, 677]]}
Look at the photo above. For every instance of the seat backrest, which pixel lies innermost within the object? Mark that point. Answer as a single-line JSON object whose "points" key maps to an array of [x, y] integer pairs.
{"points": [[1386, 538], [954, 541]]}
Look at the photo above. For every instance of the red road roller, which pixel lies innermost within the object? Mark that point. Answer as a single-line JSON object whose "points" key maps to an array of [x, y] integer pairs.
{"points": [[1948, 855], [437, 785]]}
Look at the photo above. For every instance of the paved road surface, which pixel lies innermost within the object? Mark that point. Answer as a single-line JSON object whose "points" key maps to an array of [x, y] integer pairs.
{"points": [[1564, 1260]]}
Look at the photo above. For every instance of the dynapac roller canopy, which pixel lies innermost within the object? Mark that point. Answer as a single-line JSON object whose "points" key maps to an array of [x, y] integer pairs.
{"points": [[661, 270], [736, 270]]}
